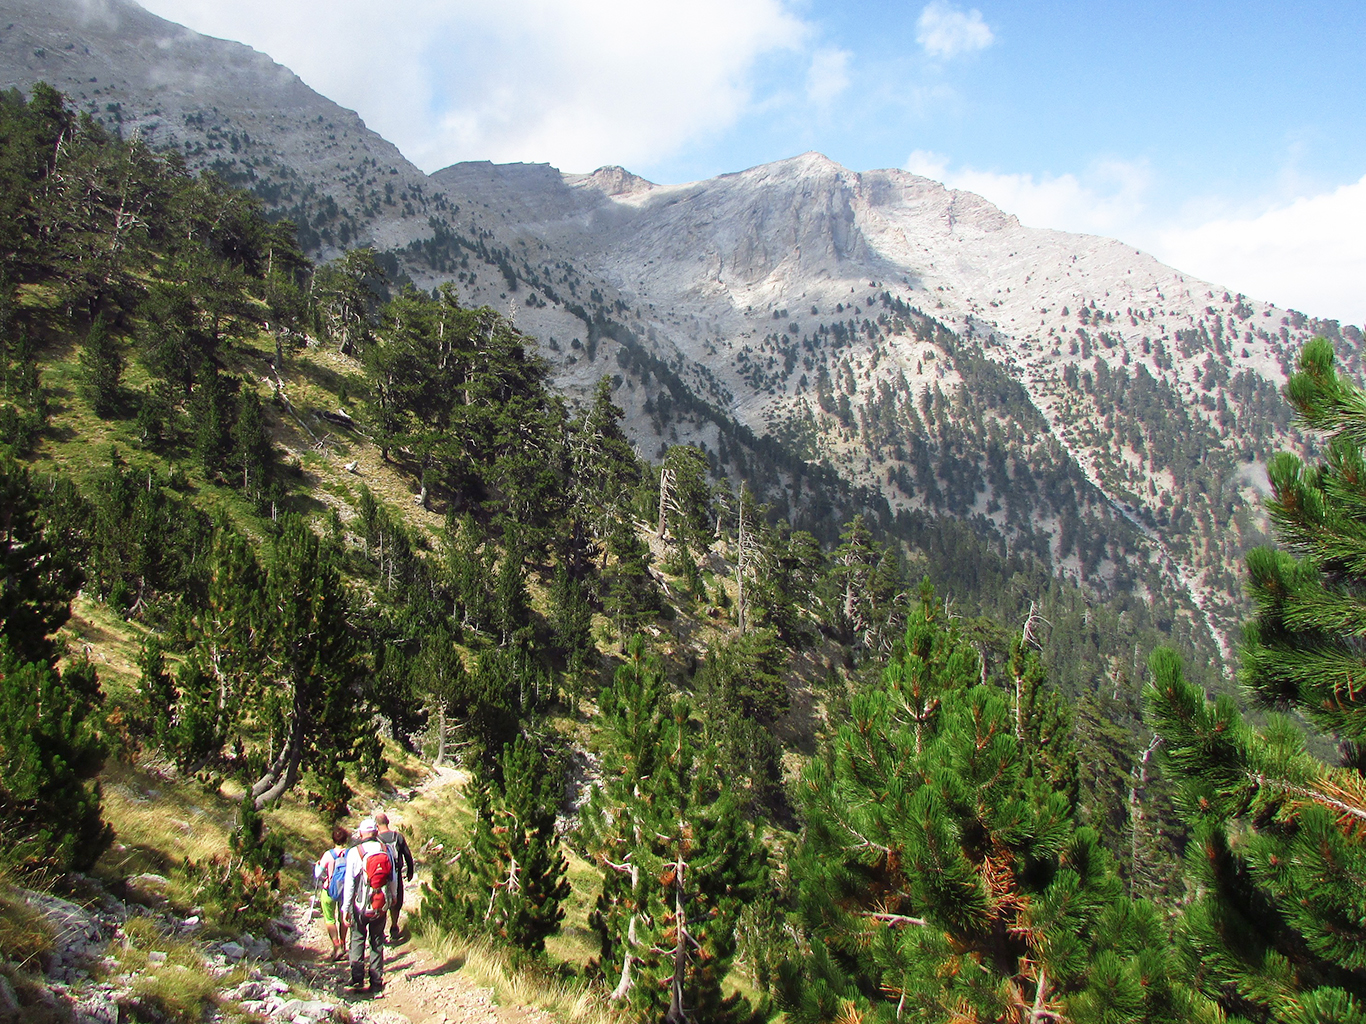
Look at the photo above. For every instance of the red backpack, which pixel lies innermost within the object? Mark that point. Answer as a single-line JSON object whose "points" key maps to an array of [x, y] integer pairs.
{"points": [[379, 872]]}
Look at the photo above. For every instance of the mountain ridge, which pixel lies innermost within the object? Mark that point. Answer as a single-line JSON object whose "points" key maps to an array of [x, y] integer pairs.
{"points": [[875, 323]]}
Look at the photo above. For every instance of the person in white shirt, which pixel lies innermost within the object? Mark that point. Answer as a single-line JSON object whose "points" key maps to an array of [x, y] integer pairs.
{"points": [[367, 926]]}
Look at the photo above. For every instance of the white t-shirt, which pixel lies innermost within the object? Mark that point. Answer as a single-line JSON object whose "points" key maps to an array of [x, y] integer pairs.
{"points": [[357, 896]]}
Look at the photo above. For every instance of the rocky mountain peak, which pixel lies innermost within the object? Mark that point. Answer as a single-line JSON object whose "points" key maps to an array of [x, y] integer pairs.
{"points": [[611, 181]]}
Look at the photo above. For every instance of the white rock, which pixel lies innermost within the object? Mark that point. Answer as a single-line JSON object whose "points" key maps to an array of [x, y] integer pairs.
{"points": [[97, 1007]]}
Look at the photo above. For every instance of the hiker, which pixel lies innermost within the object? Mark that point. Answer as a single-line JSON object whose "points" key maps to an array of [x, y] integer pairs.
{"points": [[370, 890], [330, 874], [403, 858]]}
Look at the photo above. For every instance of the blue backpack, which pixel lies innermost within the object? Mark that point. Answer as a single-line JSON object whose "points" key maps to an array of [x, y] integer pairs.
{"points": [[335, 878]]}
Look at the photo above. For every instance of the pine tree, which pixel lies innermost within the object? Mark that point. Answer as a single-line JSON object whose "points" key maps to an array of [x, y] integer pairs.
{"points": [[35, 600], [511, 879], [604, 467], [50, 755], [443, 681], [243, 885], [156, 693], [943, 877], [50, 747], [679, 861], [211, 419], [251, 448], [741, 692], [571, 620], [101, 369], [1278, 855], [631, 597], [317, 701]]}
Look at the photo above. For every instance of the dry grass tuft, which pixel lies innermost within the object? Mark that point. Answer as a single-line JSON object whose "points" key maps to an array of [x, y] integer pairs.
{"points": [[177, 987], [26, 940]]}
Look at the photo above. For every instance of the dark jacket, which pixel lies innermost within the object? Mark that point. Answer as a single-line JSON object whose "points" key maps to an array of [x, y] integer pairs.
{"points": [[400, 847]]}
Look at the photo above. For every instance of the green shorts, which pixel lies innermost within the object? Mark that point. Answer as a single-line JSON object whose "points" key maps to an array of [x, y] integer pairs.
{"points": [[329, 907]]}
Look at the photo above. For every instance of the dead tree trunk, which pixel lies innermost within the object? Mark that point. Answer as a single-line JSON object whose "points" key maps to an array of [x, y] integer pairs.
{"points": [[676, 1014]]}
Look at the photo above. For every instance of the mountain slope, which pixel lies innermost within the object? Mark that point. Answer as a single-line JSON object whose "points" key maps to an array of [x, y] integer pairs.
{"points": [[842, 339], [794, 284]]}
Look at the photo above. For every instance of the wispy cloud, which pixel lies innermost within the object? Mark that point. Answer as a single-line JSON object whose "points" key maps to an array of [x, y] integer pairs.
{"points": [[1108, 199], [946, 31], [1306, 254], [828, 75], [576, 83]]}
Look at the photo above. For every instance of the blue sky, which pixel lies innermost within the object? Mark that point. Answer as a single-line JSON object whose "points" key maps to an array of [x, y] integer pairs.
{"points": [[1228, 139]]}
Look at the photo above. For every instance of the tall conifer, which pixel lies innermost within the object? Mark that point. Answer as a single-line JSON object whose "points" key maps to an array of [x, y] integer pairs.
{"points": [[510, 882], [679, 861], [943, 877], [1278, 930]]}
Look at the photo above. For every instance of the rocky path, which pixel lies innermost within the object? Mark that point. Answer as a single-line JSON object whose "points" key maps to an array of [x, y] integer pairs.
{"points": [[288, 981], [418, 989]]}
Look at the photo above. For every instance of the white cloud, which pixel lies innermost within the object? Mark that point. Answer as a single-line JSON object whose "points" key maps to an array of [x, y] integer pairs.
{"points": [[576, 82], [1109, 201], [828, 75], [945, 31], [1306, 255]]}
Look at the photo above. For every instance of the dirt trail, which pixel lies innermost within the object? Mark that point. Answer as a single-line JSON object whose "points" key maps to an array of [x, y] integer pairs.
{"points": [[418, 988]]}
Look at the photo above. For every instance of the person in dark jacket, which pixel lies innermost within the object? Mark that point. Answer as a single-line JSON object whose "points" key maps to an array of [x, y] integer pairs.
{"points": [[403, 869]]}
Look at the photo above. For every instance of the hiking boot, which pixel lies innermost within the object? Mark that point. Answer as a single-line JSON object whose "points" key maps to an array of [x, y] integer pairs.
{"points": [[395, 938]]}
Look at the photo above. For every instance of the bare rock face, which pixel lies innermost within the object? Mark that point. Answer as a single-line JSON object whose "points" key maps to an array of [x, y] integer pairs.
{"points": [[223, 106]]}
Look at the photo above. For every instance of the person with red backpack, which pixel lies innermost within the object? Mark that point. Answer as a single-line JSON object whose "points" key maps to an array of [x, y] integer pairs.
{"points": [[330, 875], [370, 892]]}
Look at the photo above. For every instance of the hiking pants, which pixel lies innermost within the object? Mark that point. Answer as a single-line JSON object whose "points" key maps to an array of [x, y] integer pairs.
{"points": [[363, 930]]}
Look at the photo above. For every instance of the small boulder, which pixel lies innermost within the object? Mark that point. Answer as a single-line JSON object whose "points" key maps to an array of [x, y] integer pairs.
{"points": [[305, 1009], [97, 1008], [248, 991], [233, 951]]}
